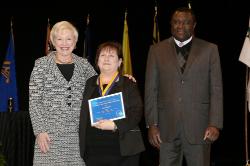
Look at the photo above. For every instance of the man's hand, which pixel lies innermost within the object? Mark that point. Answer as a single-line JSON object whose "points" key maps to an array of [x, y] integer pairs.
{"points": [[154, 136], [211, 134]]}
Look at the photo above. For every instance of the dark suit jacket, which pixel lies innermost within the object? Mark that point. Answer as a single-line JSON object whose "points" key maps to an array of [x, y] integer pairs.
{"points": [[129, 132], [192, 99]]}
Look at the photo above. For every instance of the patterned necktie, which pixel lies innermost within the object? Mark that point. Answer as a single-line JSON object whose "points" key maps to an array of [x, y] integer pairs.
{"points": [[182, 61], [182, 55]]}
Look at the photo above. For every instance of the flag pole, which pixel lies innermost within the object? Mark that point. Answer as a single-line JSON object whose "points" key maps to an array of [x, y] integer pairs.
{"points": [[245, 58], [246, 116], [189, 4], [85, 42], [11, 28]]}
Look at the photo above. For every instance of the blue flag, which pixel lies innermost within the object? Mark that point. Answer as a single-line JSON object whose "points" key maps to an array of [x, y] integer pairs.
{"points": [[8, 85]]}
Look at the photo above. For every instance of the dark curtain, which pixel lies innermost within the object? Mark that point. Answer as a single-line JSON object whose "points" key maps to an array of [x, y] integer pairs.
{"points": [[17, 138]]}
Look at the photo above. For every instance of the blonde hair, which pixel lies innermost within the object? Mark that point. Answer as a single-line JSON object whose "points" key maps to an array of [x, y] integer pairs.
{"points": [[62, 25]]}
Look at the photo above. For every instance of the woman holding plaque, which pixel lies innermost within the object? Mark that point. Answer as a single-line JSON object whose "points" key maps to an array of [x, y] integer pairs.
{"points": [[111, 142]]}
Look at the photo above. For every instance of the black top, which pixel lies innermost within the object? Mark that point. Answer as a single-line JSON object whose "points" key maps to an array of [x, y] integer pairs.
{"points": [[67, 70], [101, 142]]}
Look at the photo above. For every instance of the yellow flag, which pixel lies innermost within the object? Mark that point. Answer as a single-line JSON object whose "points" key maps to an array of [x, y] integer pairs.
{"points": [[127, 66], [156, 33]]}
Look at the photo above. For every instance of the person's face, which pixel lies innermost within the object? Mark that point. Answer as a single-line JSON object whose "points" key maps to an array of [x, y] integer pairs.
{"points": [[108, 60], [64, 42], [182, 26]]}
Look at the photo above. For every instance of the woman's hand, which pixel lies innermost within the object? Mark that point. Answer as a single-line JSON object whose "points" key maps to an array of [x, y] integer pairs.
{"points": [[105, 125], [43, 142]]}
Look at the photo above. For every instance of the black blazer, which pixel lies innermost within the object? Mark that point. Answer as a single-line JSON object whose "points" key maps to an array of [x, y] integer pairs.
{"points": [[130, 137]]}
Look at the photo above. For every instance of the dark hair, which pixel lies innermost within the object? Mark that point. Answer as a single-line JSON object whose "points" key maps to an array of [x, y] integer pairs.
{"points": [[185, 10], [109, 45]]}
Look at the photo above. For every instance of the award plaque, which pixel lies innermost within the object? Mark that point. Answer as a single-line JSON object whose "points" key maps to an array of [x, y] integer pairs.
{"points": [[108, 107]]}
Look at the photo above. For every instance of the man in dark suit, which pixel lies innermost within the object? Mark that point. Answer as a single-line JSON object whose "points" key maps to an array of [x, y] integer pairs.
{"points": [[183, 94]]}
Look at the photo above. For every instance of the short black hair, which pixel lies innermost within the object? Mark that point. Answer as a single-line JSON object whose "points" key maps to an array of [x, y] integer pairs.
{"points": [[185, 10]]}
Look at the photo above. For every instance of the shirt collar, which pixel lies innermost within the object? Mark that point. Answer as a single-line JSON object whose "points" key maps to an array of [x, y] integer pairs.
{"points": [[181, 44]]}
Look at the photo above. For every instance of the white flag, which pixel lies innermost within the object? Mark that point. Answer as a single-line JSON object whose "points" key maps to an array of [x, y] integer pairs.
{"points": [[245, 52], [245, 58]]}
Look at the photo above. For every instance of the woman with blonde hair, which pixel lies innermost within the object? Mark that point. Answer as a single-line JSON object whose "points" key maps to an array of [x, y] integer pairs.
{"points": [[55, 92]]}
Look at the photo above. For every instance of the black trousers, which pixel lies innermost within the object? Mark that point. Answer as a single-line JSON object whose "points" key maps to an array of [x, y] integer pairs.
{"points": [[94, 160]]}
